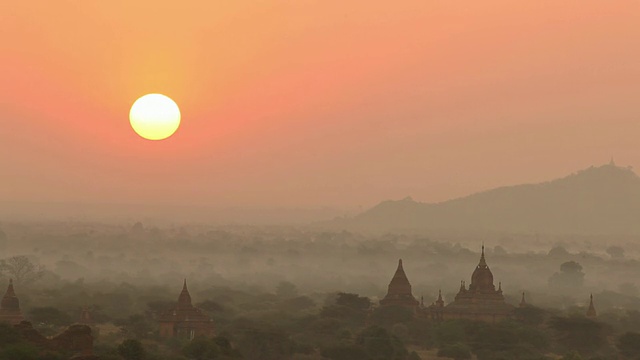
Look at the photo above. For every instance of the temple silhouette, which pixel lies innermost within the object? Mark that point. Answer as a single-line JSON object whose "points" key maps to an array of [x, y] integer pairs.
{"points": [[480, 300], [185, 320]]}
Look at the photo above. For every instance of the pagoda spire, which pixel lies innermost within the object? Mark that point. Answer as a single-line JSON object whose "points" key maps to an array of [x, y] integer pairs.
{"points": [[483, 262], [10, 291], [591, 312], [440, 302], [184, 300], [10, 300], [523, 302], [10, 306]]}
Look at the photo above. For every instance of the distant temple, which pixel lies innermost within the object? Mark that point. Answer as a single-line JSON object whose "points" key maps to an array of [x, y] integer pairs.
{"points": [[591, 311], [184, 320], [76, 340], [399, 291], [523, 302], [479, 301], [10, 307]]}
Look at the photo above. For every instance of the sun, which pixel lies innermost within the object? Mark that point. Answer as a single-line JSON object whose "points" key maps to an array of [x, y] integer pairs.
{"points": [[154, 116]]}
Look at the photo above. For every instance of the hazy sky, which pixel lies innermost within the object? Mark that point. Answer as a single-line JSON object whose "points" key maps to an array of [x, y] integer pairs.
{"points": [[310, 103]]}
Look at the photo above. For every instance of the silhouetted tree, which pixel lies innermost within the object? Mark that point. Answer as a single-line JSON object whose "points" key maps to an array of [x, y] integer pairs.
{"points": [[616, 252], [21, 270], [132, 350], [353, 301], [136, 326], [298, 303], [286, 289], [387, 316], [558, 252], [8, 334], [573, 355], [201, 349], [530, 315], [629, 344], [579, 333], [345, 352], [49, 316], [265, 344], [455, 351], [570, 276], [379, 344]]}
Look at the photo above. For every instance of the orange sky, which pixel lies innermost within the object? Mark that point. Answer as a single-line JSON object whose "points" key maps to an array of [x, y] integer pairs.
{"points": [[312, 103]]}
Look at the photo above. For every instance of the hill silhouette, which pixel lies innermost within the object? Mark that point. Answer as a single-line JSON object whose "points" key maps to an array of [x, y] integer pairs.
{"points": [[597, 200]]}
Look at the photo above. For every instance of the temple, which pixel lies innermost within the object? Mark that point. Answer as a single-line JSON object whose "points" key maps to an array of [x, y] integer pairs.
{"points": [[591, 311], [523, 302], [481, 300], [10, 307], [184, 320], [399, 291]]}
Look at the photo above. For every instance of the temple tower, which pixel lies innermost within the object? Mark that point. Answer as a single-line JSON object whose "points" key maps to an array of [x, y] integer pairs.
{"points": [[591, 312], [399, 290], [184, 320], [523, 302], [10, 306], [481, 300]]}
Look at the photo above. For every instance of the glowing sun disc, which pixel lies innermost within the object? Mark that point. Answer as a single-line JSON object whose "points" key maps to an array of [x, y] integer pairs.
{"points": [[154, 116]]}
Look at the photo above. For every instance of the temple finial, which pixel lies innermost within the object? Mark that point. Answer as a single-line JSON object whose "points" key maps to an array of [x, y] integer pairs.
{"points": [[483, 262]]}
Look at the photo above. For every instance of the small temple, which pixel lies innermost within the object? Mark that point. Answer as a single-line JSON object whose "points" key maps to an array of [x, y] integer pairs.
{"points": [[185, 320], [523, 302], [399, 291], [481, 300], [10, 307], [591, 311]]}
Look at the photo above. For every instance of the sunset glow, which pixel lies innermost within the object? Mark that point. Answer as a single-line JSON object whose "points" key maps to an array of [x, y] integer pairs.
{"points": [[313, 103]]}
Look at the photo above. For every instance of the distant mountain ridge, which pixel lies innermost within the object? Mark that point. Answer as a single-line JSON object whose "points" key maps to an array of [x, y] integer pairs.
{"points": [[597, 200]]}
